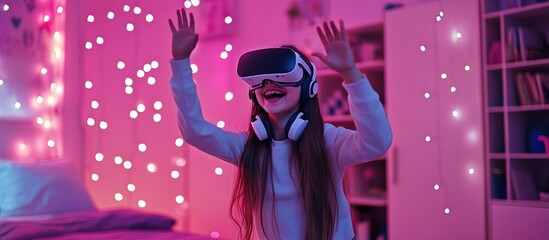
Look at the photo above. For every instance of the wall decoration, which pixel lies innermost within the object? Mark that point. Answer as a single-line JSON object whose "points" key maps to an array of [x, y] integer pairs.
{"points": [[215, 18], [305, 14]]}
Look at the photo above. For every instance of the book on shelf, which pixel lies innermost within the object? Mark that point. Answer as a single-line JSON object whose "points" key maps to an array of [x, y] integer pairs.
{"points": [[526, 43], [531, 87], [498, 183], [523, 184]]}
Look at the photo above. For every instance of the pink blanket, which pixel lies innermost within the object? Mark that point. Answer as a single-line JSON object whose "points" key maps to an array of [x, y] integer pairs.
{"points": [[100, 223]]}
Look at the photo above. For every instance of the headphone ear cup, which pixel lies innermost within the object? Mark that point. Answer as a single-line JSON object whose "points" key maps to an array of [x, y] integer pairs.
{"points": [[313, 89], [261, 127], [296, 125]]}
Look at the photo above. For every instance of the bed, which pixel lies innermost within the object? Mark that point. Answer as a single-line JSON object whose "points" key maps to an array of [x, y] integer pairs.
{"points": [[47, 201]]}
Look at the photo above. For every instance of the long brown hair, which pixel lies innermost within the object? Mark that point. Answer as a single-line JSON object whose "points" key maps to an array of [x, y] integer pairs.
{"points": [[308, 156]]}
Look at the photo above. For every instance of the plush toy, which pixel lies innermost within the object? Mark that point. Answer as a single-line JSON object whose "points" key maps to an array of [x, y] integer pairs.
{"points": [[538, 138]]}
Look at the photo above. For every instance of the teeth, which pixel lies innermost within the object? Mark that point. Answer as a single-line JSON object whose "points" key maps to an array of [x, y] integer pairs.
{"points": [[273, 92]]}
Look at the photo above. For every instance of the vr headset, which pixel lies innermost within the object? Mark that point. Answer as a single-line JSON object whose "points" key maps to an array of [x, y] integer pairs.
{"points": [[281, 65]]}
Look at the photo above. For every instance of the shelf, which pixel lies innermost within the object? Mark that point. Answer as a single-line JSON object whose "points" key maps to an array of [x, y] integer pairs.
{"points": [[521, 203], [538, 63], [539, 9], [368, 201], [527, 108], [367, 66], [529, 156]]}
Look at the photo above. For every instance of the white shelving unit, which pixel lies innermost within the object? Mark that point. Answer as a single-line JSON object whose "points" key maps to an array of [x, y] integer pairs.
{"points": [[366, 183], [516, 170]]}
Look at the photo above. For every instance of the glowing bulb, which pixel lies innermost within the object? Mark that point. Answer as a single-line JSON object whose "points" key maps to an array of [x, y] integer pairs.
{"points": [[179, 199], [90, 122], [438, 18], [127, 164], [427, 95], [458, 35], [121, 65], [103, 125], [51, 143], [118, 160], [142, 147], [149, 18], [40, 120], [95, 104], [57, 36], [467, 68], [130, 27], [157, 105], [6, 7], [46, 18], [142, 203], [447, 210], [215, 234], [157, 117], [128, 90], [194, 68], [59, 9], [455, 114], [428, 138], [91, 18], [195, 3], [443, 75], [179, 142], [151, 80], [1, 82], [221, 124], [110, 15], [89, 45], [99, 157], [100, 40], [133, 114], [180, 162], [154, 64], [228, 19], [126, 8], [218, 171], [118, 197], [453, 89], [22, 147], [471, 171], [140, 73], [175, 174], [88, 85], [95, 177], [141, 107], [17, 105], [39, 100], [229, 96], [441, 13], [137, 10], [228, 47], [422, 48], [151, 167], [223, 55], [43, 71], [131, 187], [436, 187], [128, 81], [188, 4], [147, 67], [47, 124]]}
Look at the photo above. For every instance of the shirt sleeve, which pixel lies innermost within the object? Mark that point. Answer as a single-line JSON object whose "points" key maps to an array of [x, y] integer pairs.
{"points": [[373, 135], [194, 128]]}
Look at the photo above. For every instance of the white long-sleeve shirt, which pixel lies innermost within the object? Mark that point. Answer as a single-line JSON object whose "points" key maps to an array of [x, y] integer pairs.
{"points": [[371, 139]]}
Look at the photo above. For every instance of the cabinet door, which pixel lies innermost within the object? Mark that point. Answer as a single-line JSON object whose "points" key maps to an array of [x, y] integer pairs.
{"points": [[437, 139]]}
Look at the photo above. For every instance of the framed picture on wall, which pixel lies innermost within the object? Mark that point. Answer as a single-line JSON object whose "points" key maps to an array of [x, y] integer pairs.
{"points": [[215, 18], [305, 14]]}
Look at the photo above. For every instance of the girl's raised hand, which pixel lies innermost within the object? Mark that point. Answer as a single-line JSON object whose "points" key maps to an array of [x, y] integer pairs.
{"points": [[339, 55], [184, 38]]}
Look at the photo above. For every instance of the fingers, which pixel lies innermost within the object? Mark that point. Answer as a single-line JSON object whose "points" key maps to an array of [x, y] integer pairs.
{"points": [[335, 31], [327, 32], [344, 35], [172, 26], [179, 21], [191, 25], [321, 35], [184, 15]]}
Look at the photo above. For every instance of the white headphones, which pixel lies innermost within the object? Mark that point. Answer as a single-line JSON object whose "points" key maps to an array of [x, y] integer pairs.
{"points": [[298, 121]]}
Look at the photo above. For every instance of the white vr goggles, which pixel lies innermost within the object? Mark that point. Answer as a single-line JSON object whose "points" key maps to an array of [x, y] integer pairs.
{"points": [[280, 65]]}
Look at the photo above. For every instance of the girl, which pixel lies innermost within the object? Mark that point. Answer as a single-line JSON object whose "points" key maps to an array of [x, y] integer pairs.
{"points": [[289, 182]]}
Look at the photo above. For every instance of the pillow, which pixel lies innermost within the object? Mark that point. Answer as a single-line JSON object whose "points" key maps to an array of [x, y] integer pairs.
{"points": [[38, 188]]}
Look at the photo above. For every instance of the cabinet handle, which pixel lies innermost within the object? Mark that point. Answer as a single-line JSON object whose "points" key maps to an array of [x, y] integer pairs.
{"points": [[395, 165]]}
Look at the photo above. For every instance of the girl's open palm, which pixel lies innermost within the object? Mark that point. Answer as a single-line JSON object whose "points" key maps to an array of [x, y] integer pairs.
{"points": [[339, 55], [184, 38]]}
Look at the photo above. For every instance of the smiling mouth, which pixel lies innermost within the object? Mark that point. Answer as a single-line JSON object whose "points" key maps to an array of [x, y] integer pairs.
{"points": [[273, 94]]}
